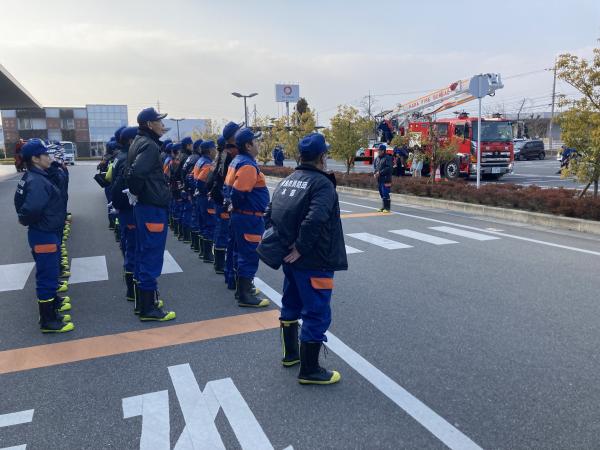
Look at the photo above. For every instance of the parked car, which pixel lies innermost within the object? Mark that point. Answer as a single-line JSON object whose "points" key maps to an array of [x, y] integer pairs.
{"points": [[532, 149], [70, 151]]}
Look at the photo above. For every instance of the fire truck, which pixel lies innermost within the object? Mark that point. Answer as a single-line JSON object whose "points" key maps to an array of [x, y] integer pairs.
{"points": [[411, 119]]}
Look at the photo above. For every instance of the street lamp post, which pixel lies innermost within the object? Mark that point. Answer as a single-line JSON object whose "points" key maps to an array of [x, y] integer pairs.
{"points": [[238, 95], [177, 122]]}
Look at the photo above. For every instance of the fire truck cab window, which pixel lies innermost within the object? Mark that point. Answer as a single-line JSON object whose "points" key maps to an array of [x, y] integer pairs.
{"points": [[441, 129]]}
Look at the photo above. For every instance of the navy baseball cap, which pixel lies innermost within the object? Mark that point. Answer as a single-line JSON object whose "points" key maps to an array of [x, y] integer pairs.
{"points": [[207, 145], [149, 115], [127, 134], [230, 129], [382, 147], [166, 142], [34, 147], [186, 141], [221, 142], [118, 133], [177, 147], [243, 136], [196, 145], [169, 147], [312, 145]]}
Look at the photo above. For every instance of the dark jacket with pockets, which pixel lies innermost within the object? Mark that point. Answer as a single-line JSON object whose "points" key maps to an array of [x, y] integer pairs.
{"points": [[384, 167], [145, 177], [39, 203], [305, 211]]}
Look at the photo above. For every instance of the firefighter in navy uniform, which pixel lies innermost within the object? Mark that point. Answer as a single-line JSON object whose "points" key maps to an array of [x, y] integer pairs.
{"points": [[193, 182], [147, 182], [223, 238], [304, 220], [246, 191], [40, 207], [187, 191], [214, 189], [382, 171], [125, 210]]}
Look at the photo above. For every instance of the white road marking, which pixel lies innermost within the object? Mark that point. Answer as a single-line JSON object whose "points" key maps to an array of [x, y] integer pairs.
{"points": [[17, 418], [345, 211], [512, 236], [92, 268], [435, 240], [169, 264], [465, 233], [154, 409], [379, 241], [418, 410], [14, 276], [351, 250]]}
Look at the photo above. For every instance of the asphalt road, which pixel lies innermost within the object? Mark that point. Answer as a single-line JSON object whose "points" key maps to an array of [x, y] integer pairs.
{"points": [[449, 331]]}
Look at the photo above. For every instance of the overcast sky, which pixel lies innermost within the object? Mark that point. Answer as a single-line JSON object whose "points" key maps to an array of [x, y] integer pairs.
{"points": [[191, 54]]}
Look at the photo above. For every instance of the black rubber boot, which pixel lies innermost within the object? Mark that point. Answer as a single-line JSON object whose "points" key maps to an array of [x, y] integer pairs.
{"points": [[310, 370], [137, 300], [247, 297], [200, 246], [220, 260], [208, 256], [117, 232], [171, 223], [289, 342], [49, 321], [150, 310], [387, 205], [255, 290], [180, 232], [176, 227], [187, 235], [193, 244], [130, 295], [111, 222]]}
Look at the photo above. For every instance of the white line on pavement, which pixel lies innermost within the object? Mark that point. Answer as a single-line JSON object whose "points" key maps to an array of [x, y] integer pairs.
{"points": [[465, 233], [512, 236], [379, 241], [17, 418], [169, 264], [435, 240], [351, 250], [429, 419], [14, 276], [92, 268]]}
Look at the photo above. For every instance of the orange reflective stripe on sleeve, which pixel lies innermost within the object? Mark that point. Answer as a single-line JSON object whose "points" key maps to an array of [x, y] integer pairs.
{"points": [[245, 179], [321, 283], [261, 181], [203, 173], [224, 215], [196, 172], [255, 238], [230, 178], [131, 227], [45, 248], [155, 227], [210, 211]]}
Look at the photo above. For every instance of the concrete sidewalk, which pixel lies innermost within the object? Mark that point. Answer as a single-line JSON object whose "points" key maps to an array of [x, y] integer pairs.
{"points": [[7, 172]]}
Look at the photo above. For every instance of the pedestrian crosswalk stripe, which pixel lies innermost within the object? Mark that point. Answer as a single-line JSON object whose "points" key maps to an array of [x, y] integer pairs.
{"points": [[14, 276], [379, 241], [351, 250], [465, 233], [170, 265], [435, 240], [92, 268]]}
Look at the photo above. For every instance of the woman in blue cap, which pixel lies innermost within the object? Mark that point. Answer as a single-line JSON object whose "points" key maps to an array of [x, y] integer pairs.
{"points": [[39, 206]]}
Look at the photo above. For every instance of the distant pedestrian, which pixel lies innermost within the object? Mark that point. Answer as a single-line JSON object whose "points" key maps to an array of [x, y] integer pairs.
{"points": [[416, 165], [382, 171], [278, 156], [304, 234]]}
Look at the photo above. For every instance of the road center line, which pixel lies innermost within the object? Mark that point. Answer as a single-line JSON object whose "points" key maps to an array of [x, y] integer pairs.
{"points": [[512, 236], [414, 407]]}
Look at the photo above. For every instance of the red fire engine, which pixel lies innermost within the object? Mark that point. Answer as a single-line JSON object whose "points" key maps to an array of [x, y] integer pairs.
{"points": [[497, 153]]}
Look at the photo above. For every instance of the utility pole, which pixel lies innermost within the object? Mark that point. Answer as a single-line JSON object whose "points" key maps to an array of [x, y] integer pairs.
{"points": [[158, 105], [369, 105], [552, 110], [255, 114], [518, 117]]}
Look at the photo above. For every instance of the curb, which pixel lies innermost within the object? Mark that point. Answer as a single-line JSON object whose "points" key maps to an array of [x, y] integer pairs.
{"points": [[514, 215]]}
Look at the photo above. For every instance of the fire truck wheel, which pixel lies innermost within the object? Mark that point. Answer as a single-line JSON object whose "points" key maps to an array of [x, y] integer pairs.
{"points": [[452, 171]]}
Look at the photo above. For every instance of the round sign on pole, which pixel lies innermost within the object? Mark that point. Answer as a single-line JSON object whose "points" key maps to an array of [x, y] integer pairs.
{"points": [[479, 86], [287, 90]]}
